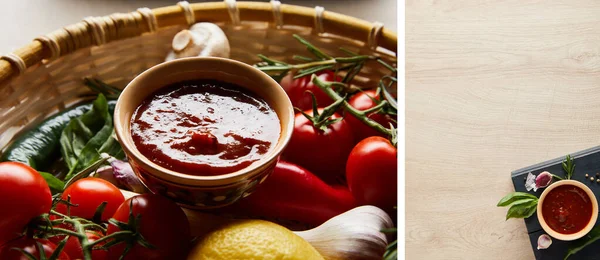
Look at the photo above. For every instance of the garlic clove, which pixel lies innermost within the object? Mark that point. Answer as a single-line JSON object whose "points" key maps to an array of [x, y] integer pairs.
{"points": [[543, 180], [544, 241], [355, 234], [181, 40]]}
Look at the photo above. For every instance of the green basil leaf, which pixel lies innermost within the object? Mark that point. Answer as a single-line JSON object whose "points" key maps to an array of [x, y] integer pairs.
{"points": [[532, 210], [112, 147], [79, 131], [85, 172], [581, 243], [56, 185], [102, 141], [512, 197], [522, 208]]}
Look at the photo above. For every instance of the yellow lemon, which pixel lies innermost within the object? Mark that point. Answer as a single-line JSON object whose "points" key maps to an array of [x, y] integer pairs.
{"points": [[253, 239]]}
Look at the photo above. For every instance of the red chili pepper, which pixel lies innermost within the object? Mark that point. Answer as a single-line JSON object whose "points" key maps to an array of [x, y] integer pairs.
{"points": [[294, 193]]}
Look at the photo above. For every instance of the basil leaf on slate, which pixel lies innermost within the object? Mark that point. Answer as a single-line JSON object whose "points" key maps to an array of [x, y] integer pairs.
{"points": [[522, 208], [512, 197]]}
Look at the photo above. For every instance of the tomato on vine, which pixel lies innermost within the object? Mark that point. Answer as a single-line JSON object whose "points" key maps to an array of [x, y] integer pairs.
{"points": [[25, 195], [87, 194], [321, 142], [73, 246], [162, 229], [362, 101], [14, 250], [296, 89]]}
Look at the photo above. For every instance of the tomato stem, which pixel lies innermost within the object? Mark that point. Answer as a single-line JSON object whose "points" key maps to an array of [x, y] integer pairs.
{"points": [[360, 115], [116, 236], [322, 120], [66, 232], [375, 108]]}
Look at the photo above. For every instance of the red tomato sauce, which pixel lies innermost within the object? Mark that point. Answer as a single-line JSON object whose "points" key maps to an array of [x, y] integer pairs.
{"points": [[204, 127], [567, 209]]}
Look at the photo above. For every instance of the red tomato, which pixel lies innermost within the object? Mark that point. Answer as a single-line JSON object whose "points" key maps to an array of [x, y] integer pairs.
{"points": [[25, 195], [361, 101], [372, 173], [323, 153], [163, 225], [296, 88], [88, 194], [29, 245], [73, 246]]}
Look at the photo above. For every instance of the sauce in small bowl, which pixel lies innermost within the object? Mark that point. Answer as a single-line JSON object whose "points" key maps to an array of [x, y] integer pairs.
{"points": [[201, 131], [567, 210], [204, 127]]}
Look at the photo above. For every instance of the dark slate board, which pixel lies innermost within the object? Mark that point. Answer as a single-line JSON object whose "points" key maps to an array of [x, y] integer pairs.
{"points": [[586, 161]]}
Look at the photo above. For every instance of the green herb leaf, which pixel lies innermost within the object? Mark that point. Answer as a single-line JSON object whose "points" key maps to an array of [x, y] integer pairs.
{"points": [[569, 167], [56, 185], [86, 137], [80, 130], [522, 208], [85, 172], [513, 197], [391, 251], [581, 243]]}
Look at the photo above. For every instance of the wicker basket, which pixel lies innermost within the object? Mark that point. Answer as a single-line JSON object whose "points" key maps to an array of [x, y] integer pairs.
{"points": [[46, 75]]}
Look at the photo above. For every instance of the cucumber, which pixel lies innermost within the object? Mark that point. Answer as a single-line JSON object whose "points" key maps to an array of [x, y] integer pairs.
{"points": [[40, 146]]}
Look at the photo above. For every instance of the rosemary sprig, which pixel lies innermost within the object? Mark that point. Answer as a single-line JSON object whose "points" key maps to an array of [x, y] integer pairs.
{"points": [[569, 167], [321, 61]]}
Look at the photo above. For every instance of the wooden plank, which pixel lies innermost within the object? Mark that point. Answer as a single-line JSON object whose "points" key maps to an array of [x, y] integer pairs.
{"points": [[491, 86]]}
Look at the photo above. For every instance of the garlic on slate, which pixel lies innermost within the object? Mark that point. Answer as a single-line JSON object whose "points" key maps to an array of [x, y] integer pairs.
{"points": [[544, 241], [202, 39], [354, 234], [541, 181]]}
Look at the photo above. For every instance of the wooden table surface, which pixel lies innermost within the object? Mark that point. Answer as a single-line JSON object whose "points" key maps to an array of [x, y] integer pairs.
{"points": [[491, 86]]}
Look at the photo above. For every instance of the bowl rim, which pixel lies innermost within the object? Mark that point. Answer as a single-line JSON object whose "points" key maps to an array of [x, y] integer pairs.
{"points": [[126, 140], [586, 229]]}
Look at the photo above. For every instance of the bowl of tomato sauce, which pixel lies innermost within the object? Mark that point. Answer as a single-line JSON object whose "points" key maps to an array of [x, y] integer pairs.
{"points": [[567, 210], [203, 131]]}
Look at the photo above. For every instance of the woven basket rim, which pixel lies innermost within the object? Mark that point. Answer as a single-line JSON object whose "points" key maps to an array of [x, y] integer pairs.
{"points": [[41, 49]]}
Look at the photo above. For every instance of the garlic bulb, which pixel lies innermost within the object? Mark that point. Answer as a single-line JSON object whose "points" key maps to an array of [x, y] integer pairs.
{"points": [[354, 234], [202, 39]]}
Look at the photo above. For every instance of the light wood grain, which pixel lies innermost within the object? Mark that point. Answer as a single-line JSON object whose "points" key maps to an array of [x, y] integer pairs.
{"points": [[491, 86]]}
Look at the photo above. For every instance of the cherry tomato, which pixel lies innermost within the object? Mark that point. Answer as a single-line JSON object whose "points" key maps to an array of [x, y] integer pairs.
{"points": [[88, 194], [296, 90], [323, 153], [25, 195], [73, 246], [362, 101], [163, 225], [372, 173], [7, 252]]}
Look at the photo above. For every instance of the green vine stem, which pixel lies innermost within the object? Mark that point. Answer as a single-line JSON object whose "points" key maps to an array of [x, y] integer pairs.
{"points": [[81, 226], [322, 120], [360, 115]]}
